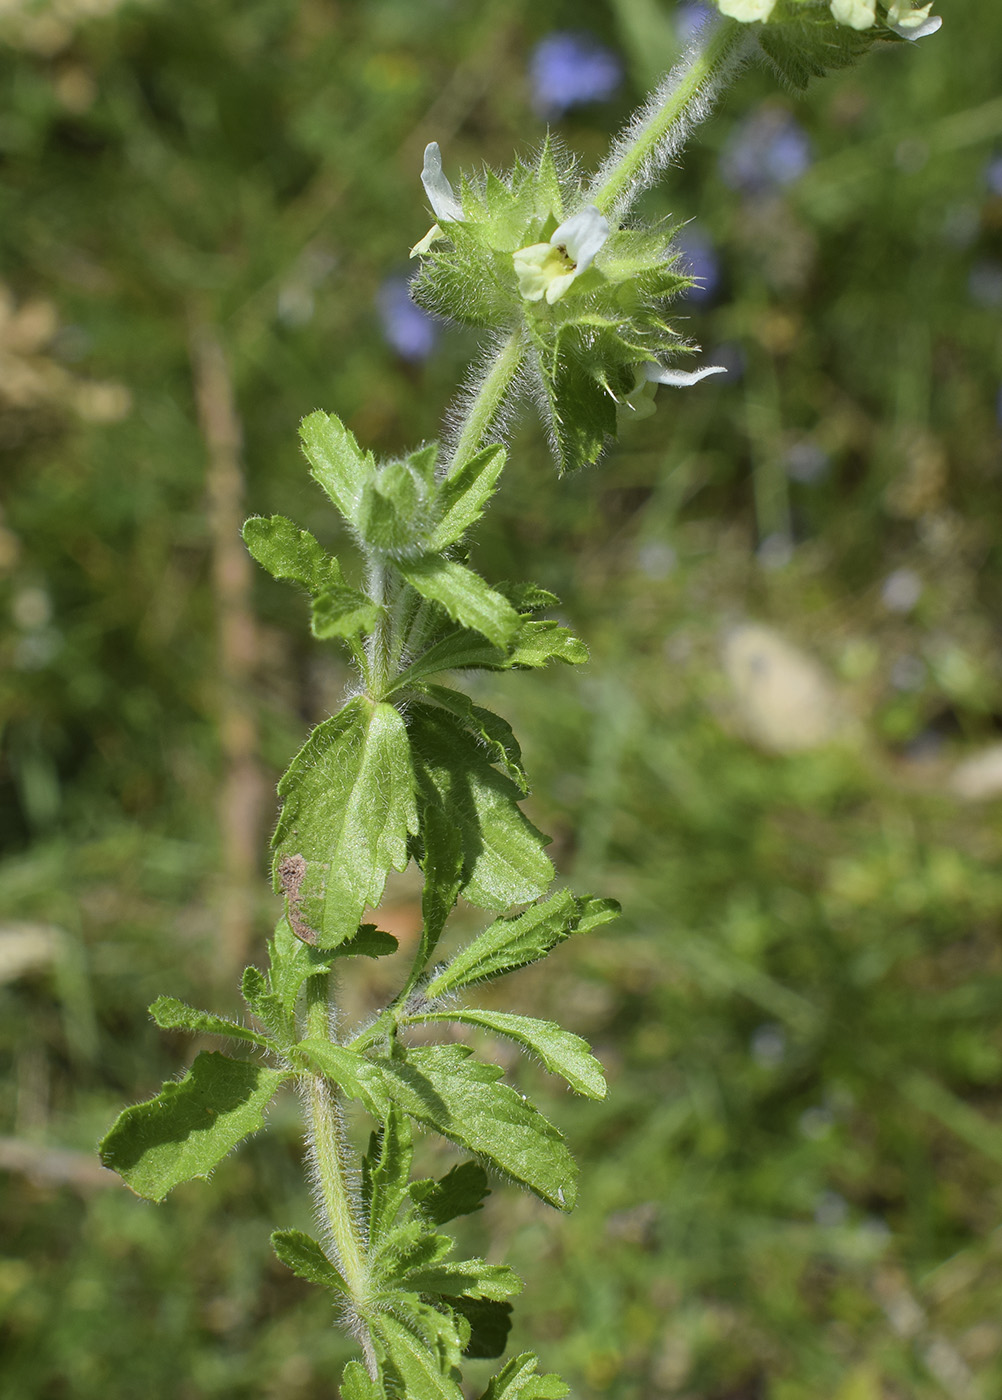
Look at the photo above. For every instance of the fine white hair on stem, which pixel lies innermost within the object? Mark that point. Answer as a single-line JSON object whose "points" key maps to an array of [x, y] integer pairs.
{"points": [[502, 420], [664, 150]]}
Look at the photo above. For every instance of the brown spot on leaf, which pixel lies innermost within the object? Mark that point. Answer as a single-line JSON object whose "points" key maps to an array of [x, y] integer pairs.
{"points": [[291, 874]]}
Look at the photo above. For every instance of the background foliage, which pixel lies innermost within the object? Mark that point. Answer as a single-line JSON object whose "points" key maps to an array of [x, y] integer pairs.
{"points": [[793, 1187]]}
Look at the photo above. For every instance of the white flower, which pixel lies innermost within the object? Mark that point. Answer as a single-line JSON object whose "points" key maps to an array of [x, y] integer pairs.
{"points": [[440, 193], [647, 377], [747, 10], [441, 197], [857, 14], [548, 269], [909, 23]]}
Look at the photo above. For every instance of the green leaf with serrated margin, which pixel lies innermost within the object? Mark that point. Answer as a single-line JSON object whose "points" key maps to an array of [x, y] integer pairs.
{"points": [[356, 1076], [357, 1384], [408, 1248], [537, 643], [504, 859], [461, 1191], [489, 1323], [519, 1381], [389, 1167], [342, 612], [493, 732], [336, 461], [508, 944], [173, 1015], [306, 1259], [463, 594], [190, 1126], [810, 49], [288, 552], [348, 806], [463, 495], [561, 1052], [464, 1278], [429, 1372], [255, 988], [461, 1098]]}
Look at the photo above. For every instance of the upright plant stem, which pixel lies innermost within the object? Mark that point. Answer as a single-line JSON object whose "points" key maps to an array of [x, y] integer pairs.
{"points": [[686, 95], [485, 404], [329, 1153]]}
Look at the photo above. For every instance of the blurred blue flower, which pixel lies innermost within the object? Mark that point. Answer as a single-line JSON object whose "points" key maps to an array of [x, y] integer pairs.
{"points": [[690, 17], [993, 175], [770, 149], [699, 260], [409, 330], [569, 69]]}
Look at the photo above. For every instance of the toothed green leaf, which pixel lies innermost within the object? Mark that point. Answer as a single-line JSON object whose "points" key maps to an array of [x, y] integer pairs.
{"points": [[356, 1384], [292, 960], [463, 594], [173, 1015], [464, 1278], [461, 1098], [306, 1259], [464, 494], [348, 806], [255, 989], [288, 552], [190, 1126], [489, 1322], [508, 944], [424, 1351], [519, 1381], [461, 1191], [336, 461], [561, 1052], [387, 1168], [493, 732]]}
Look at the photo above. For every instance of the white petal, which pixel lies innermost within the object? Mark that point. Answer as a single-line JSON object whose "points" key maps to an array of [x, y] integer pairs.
{"points": [[441, 195], [583, 234], [679, 378], [920, 31]]}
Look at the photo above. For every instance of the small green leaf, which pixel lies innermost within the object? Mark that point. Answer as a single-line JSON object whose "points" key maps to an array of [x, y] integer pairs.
{"points": [[463, 594], [388, 1166], [561, 1052], [424, 1356], [489, 1323], [445, 1088], [460, 1192], [255, 988], [408, 1248], [539, 642], [465, 1278], [348, 806], [504, 859], [356, 1076], [336, 461], [306, 1259], [189, 1127], [356, 1384], [464, 494], [342, 612], [519, 1381], [173, 1015], [508, 944], [288, 552]]}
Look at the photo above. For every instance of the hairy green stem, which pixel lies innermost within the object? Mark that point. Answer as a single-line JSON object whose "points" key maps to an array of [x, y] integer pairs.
{"points": [[485, 404], [686, 95], [328, 1151], [379, 642]]}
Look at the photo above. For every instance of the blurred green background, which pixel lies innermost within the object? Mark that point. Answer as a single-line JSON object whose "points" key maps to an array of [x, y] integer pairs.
{"points": [[783, 758]]}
